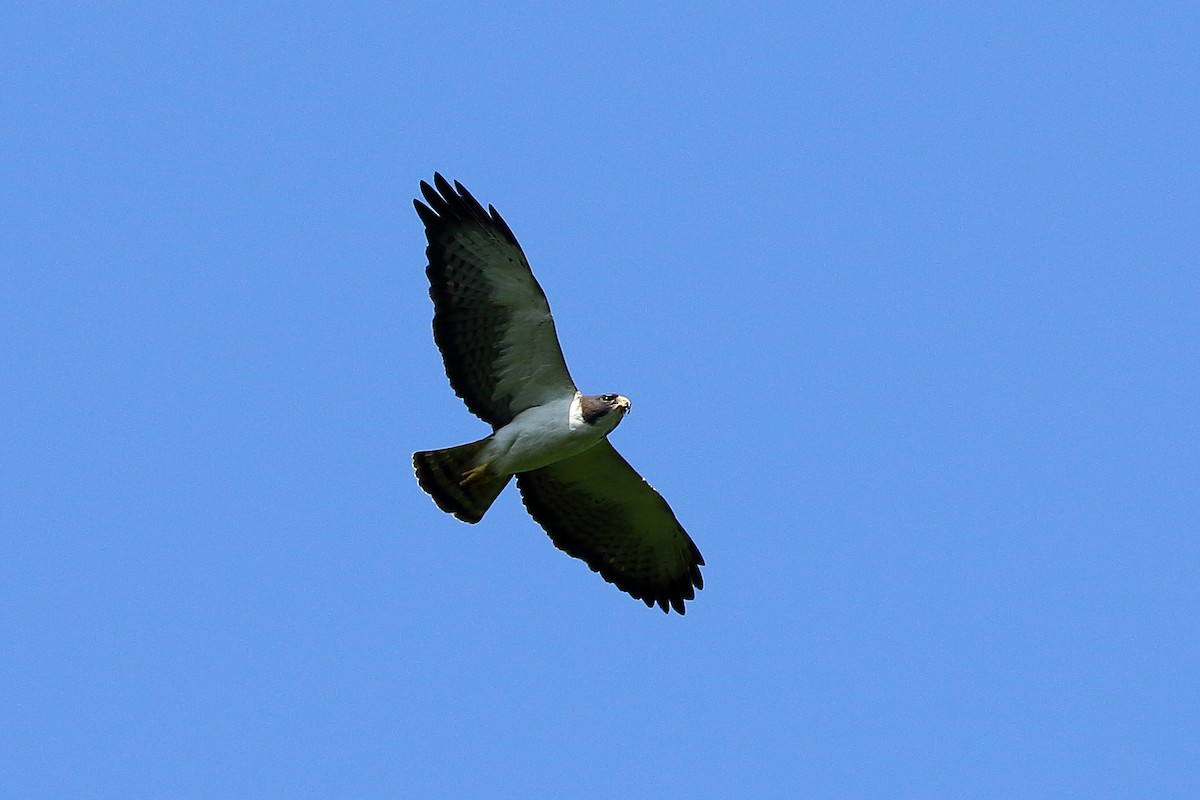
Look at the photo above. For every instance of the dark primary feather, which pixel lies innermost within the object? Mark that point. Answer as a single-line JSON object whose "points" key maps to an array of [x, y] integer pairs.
{"points": [[487, 306], [595, 506]]}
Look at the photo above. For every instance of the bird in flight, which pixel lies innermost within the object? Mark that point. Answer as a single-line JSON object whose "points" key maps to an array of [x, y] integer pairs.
{"points": [[493, 326]]}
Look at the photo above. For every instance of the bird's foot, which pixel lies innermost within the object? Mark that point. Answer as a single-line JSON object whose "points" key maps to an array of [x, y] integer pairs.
{"points": [[475, 474]]}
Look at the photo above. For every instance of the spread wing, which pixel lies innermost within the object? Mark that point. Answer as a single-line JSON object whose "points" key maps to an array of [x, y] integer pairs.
{"points": [[491, 319], [596, 507]]}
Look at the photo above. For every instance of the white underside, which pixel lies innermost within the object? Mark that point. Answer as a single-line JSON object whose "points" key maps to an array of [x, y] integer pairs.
{"points": [[543, 435]]}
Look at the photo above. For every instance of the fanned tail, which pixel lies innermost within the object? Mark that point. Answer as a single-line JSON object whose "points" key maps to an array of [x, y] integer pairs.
{"points": [[442, 474]]}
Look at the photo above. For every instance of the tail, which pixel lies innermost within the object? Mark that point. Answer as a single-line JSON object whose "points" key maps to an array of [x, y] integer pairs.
{"points": [[443, 476]]}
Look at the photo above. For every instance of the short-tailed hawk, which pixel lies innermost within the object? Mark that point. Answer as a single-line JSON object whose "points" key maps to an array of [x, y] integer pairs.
{"points": [[493, 325]]}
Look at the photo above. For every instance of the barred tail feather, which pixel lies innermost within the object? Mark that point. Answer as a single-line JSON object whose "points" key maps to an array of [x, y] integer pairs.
{"points": [[440, 473]]}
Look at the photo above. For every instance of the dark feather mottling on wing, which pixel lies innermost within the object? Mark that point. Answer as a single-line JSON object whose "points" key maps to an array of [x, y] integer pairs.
{"points": [[472, 252], [594, 506]]}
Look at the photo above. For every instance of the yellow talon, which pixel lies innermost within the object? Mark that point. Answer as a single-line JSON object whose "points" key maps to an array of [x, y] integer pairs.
{"points": [[475, 474]]}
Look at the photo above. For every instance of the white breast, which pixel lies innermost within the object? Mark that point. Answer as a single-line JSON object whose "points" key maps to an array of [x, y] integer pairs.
{"points": [[544, 434]]}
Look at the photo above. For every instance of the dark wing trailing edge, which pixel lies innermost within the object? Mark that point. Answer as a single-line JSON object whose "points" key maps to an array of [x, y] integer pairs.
{"points": [[597, 508], [491, 320]]}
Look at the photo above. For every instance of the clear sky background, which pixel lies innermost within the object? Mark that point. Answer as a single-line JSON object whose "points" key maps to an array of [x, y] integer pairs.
{"points": [[905, 296]]}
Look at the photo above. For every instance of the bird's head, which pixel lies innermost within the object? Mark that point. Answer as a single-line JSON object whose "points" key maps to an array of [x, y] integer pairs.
{"points": [[611, 408]]}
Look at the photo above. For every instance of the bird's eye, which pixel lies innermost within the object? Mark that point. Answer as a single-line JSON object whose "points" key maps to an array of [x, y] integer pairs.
{"points": [[608, 398]]}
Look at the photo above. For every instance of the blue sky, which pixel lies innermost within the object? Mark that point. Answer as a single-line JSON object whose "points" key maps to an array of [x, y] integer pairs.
{"points": [[905, 296]]}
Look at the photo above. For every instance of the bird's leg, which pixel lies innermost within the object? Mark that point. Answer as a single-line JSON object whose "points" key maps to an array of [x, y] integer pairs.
{"points": [[475, 474]]}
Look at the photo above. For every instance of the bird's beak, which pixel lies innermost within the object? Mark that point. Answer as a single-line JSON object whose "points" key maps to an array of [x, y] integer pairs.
{"points": [[624, 404]]}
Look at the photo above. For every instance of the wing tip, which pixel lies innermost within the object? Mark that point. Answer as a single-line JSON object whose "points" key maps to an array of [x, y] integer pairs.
{"points": [[674, 598], [451, 203], [427, 214]]}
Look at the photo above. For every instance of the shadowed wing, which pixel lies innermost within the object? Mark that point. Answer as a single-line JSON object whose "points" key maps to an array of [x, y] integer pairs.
{"points": [[491, 319], [597, 508]]}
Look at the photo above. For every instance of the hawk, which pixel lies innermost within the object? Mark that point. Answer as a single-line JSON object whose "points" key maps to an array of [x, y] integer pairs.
{"points": [[493, 326]]}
